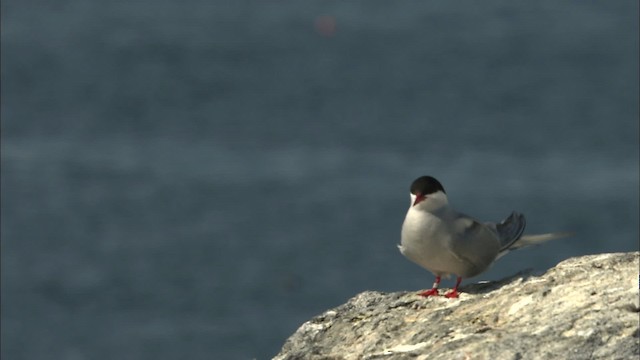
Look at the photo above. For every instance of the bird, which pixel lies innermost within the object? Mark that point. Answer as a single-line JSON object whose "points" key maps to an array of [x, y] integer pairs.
{"points": [[446, 242]]}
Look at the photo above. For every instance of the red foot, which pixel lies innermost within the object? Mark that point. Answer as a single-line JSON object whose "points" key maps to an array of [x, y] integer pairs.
{"points": [[454, 292], [431, 292], [451, 294]]}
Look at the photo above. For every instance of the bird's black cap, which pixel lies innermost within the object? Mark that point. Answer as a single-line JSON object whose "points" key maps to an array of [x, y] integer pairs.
{"points": [[426, 185]]}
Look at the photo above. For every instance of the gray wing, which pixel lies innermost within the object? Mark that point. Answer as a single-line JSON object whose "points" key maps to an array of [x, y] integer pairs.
{"points": [[475, 243], [509, 230]]}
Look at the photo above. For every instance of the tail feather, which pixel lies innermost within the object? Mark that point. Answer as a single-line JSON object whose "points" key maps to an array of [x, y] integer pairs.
{"points": [[530, 240]]}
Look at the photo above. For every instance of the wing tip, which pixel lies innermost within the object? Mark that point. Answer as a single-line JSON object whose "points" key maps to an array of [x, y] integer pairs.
{"points": [[508, 237]]}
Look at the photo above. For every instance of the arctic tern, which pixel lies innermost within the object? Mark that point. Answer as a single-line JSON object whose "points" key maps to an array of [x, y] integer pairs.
{"points": [[446, 242]]}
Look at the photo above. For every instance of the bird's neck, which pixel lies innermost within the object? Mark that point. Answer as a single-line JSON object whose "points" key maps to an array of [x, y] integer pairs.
{"points": [[443, 211]]}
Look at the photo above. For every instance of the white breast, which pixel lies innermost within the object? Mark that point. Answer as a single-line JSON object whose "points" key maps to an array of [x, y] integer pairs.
{"points": [[424, 240]]}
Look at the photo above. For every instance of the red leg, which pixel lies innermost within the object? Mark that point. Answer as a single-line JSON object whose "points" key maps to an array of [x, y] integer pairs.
{"points": [[433, 291], [454, 292]]}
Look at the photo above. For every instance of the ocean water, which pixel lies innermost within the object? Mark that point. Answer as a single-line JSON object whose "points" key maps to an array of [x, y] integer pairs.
{"points": [[194, 179]]}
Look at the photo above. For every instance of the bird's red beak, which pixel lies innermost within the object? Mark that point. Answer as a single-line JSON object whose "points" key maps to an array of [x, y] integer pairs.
{"points": [[419, 199]]}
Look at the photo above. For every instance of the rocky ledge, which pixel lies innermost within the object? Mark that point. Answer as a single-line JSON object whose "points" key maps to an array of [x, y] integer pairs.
{"points": [[583, 308]]}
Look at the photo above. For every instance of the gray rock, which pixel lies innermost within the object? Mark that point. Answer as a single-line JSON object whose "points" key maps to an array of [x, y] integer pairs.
{"points": [[584, 308]]}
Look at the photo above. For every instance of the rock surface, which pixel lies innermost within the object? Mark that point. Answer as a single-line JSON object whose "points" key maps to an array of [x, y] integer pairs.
{"points": [[583, 308]]}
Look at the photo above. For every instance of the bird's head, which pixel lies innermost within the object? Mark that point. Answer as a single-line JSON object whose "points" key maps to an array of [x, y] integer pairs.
{"points": [[427, 194]]}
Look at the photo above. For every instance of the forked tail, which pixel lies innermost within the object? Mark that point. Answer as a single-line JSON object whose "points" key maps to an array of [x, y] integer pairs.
{"points": [[530, 240]]}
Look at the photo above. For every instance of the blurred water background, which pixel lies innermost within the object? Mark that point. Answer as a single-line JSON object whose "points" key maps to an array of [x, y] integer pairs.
{"points": [[194, 179]]}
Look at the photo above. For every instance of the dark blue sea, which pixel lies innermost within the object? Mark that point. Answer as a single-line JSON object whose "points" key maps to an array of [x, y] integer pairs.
{"points": [[194, 179]]}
